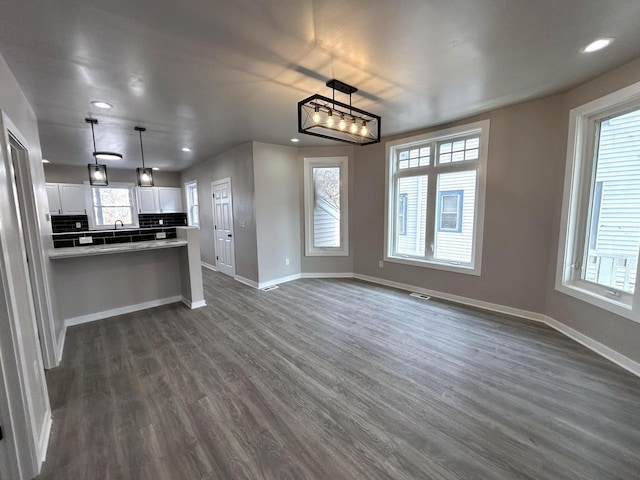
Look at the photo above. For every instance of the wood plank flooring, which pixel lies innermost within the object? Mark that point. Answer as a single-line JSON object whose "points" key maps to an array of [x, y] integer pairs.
{"points": [[335, 379]]}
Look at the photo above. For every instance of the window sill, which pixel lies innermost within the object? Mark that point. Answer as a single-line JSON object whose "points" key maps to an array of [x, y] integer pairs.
{"points": [[448, 267], [326, 253], [605, 303]]}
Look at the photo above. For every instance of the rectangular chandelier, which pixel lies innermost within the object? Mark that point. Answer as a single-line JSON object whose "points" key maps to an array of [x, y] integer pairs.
{"points": [[327, 118]]}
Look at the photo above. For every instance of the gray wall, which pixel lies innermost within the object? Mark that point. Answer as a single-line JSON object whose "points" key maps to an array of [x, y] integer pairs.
{"points": [[237, 164], [277, 191], [327, 264], [13, 282], [523, 152], [616, 332], [78, 174], [525, 180]]}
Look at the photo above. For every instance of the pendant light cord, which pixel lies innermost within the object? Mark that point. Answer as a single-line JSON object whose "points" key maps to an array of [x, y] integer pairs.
{"points": [[141, 149], [93, 135]]}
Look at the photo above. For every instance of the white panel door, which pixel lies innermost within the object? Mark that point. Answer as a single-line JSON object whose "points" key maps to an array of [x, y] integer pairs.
{"points": [[72, 198], [53, 194], [223, 225], [170, 199]]}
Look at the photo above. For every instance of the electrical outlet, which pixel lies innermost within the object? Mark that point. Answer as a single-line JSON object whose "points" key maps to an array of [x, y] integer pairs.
{"points": [[160, 222], [78, 225], [286, 261], [381, 264], [85, 240], [161, 235]]}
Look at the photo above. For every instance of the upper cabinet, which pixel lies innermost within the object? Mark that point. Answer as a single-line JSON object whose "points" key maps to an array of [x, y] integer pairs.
{"points": [[170, 200], [66, 199], [159, 200], [147, 200]]}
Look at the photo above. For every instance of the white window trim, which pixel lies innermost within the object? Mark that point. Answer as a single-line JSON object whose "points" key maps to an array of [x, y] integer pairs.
{"points": [[343, 249], [476, 256], [186, 195], [581, 120], [89, 204]]}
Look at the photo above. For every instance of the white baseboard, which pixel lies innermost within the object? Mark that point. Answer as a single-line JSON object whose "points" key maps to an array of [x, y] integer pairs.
{"points": [[278, 281], [43, 441], [595, 346], [327, 275], [494, 307], [246, 281], [209, 266], [92, 317], [60, 345], [193, 305]]}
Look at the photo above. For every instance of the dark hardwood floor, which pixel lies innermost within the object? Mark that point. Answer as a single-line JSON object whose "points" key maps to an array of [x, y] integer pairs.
{"points": [[335, 379]]}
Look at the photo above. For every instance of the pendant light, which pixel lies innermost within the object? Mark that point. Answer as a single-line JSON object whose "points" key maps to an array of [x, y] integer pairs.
{"points": [[328, 118], [145, 175], [97, 173]]}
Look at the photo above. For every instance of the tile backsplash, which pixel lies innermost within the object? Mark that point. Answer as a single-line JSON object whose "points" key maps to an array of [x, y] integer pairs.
{"points": [[69, 223], [168, 219], [111, 236]]}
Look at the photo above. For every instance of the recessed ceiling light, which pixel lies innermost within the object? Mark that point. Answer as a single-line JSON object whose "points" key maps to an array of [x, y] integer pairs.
{"points": [[295, 140], [101, 104], [186, 149], [44, 160], [597, 45], [156, 168]]}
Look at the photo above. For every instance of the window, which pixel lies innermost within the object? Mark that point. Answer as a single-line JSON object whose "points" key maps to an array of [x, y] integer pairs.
{"points": [[450, 211], [112, 203], [436, 186], [601, 212], [325, 201], [191, 189], [402, 214]]}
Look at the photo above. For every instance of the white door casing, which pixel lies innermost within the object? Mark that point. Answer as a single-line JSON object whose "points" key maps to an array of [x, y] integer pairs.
{"points": [[24, 400], [223, 226]]}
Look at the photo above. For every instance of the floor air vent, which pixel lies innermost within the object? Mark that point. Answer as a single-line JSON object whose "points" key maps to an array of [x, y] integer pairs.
{"points": [[268, 289], [420, 295]]}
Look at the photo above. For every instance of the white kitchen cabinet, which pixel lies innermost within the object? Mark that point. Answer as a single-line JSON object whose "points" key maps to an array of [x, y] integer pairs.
{"points": [[53, 194], [159, 200], [147, 200], [170, 199], [66, 199]]}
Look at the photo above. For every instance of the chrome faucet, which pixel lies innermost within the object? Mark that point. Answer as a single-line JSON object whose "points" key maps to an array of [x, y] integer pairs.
{"points": [[115, 225]]}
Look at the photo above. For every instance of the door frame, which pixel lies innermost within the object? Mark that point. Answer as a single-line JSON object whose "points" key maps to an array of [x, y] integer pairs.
{"points": [[35, 252], [26, 441], [233, 231]]}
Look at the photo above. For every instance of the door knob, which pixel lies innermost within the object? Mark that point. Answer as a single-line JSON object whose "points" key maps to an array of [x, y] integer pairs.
{"points": [[229, 235]]}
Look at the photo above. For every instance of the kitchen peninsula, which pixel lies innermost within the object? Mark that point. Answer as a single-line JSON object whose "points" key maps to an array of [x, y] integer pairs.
{"points": [[93, 282]]}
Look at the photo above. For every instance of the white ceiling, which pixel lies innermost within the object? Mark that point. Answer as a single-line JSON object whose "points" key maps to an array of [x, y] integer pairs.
{"points": [[210, 74]]}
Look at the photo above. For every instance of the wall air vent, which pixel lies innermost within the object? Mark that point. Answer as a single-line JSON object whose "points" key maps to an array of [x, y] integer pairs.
{"points": [[268, 289], [420, 295]]}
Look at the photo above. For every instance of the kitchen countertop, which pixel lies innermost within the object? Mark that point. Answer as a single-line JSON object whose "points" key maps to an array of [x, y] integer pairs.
{"points": [[90, 250]]}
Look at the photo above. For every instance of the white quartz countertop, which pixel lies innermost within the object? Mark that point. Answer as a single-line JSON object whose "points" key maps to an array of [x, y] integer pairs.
{"points": [[90, 250]]}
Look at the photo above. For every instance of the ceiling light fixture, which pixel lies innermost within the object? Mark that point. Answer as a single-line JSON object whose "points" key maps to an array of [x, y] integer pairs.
{"points": [[316, 117], [155, 169], [596, 45], [44, 160], [186, 149], [145, 175], [295, 140], [99, 104], [97, 173]]}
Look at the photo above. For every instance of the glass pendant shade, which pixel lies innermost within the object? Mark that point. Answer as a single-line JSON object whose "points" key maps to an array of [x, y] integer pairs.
{"points": [[98, 175], [145, 177]]}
